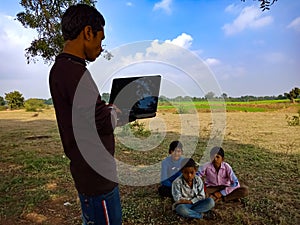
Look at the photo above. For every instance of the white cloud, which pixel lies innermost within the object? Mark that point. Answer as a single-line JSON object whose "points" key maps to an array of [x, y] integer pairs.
{"points": [[229, 72], [15, 73], [295, 24], [129, 4], [233, 9], [14, 39], [250, 17], [212, 61], [13, 34], [229, 8], [198, 52], [184, 40], [275, 57], [177, 65], [164, 5], [224, 70]]}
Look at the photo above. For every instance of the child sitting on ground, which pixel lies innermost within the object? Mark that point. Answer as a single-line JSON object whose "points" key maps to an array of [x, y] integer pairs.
{"points": [[188, 193], [220, 180], [170, 168]]}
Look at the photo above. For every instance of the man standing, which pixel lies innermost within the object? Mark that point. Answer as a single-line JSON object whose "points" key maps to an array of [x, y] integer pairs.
{"points": [[85, 122]]}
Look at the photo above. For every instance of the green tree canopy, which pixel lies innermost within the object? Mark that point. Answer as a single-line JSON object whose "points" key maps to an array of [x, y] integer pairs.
{"points": [[293, 94], [265, 4], [2, 102], [44, 16], [34, 104], [105, 96], [224, 95], [14, 100], [49, 101], [210, 95]]}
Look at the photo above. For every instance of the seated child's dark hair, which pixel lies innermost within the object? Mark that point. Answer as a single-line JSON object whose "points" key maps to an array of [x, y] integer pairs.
{"points": [[217, 150], [173, 145], [188, 162]]}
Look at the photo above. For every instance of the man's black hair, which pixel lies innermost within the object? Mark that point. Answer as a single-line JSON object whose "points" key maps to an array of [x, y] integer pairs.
{"points": [[76, 17], [217, 150], [188, 162], [173, 145]]}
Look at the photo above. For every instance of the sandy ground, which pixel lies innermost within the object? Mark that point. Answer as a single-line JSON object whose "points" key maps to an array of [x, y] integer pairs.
{"points": [[268, 130]]}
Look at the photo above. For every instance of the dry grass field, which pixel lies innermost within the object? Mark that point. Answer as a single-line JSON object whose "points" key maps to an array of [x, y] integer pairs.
{"points": [[36, 186]]}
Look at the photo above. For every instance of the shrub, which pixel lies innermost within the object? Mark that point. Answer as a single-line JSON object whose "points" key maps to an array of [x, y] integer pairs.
{"points": [[3, 107], [137, 129], [182, 110], [34, 105], [293, 120], [14, 100]]}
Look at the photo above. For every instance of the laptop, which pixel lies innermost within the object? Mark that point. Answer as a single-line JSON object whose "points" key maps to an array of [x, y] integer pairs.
{"points": [[136, 97]]}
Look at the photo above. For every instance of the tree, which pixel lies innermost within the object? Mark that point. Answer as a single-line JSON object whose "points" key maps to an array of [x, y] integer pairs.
{"points": [[44, 16], [105, 96], [210, 95], [224, 95], [34, 104], [163, 98], [2, 102], [178, 99], [265, 4], [279, 97], [14, 100], [49, 101], [293, 94]]}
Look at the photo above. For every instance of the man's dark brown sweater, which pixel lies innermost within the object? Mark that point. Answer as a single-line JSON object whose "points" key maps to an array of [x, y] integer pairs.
{"points": [[68, 79]]}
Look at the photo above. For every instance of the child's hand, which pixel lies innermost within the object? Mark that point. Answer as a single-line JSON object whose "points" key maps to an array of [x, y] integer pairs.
{"points": [[216, 196], [121, 119]]}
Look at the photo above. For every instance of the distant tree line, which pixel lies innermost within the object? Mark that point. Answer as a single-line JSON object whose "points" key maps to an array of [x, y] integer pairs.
{"points": [[15, 100], [292, 96], [246, 98]]}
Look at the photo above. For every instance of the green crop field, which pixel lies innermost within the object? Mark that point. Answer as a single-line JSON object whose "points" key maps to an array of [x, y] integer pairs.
{"points": [[205, 106]]}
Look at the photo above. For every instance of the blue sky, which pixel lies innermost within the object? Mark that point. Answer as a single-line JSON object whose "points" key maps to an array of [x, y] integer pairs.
{"points": [[248, 52]]}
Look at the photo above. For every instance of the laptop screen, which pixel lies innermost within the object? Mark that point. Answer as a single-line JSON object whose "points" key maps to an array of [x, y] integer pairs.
{"points": [[136, 96]]}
